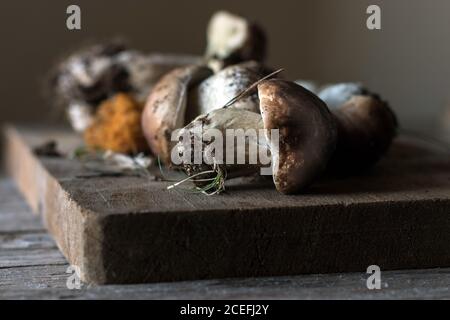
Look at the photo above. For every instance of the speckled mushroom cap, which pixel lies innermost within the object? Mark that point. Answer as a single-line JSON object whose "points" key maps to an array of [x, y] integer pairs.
{"points": [[220, 88], [307, 133], [165, 109]]}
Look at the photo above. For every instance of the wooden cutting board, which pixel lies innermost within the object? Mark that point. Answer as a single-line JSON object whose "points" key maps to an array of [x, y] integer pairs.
{"points": [[130, 228]]}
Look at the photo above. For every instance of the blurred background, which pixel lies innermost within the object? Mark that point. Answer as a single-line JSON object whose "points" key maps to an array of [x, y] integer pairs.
{"points": [[407, 61]]}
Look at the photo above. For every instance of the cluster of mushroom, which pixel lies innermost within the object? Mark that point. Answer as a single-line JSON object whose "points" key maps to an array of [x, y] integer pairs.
{"points": [[342, 128], [348, 135], [313, 138]]}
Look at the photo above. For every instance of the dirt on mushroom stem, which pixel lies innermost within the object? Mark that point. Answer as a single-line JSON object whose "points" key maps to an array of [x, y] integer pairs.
{"points": [[211, 166]]}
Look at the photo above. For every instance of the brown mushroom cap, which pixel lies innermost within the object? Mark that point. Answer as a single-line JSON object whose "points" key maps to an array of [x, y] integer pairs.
{"points": [[166, 107], [307, 133], [366, 127]]}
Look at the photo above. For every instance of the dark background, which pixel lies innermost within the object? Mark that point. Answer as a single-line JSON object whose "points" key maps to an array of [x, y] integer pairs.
{"points": [[407, 61]]}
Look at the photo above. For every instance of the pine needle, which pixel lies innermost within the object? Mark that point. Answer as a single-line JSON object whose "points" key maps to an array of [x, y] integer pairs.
{"points": [[189, 178], [250, 88]]}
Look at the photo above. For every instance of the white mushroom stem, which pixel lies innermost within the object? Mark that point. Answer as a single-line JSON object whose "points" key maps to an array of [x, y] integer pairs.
{"points": [[241, 134]]}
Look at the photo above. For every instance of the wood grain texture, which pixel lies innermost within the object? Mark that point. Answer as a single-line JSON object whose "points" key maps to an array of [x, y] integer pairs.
{"points": [[48, 280], [131, 229]]}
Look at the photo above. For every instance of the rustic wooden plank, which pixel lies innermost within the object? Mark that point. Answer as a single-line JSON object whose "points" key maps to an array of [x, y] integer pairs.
{"points": [[130, 229]]}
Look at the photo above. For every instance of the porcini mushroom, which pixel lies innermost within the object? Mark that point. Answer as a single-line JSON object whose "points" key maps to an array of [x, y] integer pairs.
{"points": [[307, 133], [232, 39], [166, 107], [221, 120], [366, 127]]}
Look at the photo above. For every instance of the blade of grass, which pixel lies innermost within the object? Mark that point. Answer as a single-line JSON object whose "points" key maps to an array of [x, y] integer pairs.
{"points": [[250, 88]]}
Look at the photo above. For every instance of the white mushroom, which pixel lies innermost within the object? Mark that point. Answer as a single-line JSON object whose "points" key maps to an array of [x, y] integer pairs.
{"points": [[217, 90], [232, 39]]}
